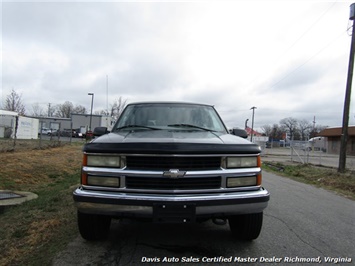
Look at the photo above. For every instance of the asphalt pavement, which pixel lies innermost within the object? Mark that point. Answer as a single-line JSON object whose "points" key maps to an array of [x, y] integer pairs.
{"points": [[301, 223]]}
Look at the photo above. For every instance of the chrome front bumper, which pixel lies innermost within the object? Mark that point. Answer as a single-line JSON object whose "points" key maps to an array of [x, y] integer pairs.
{"points": [[145, 205]]}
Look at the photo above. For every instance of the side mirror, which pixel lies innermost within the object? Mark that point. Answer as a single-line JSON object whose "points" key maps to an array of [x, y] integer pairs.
{"points": [[99, 131], [239, 132]]}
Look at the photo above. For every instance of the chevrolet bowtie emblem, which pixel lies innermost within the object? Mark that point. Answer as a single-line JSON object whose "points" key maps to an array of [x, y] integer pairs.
{"points": [[174, 173]]}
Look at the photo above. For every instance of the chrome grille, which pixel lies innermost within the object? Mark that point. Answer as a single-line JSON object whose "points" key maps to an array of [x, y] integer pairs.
{"points": [[166, 163], [173, 184]]}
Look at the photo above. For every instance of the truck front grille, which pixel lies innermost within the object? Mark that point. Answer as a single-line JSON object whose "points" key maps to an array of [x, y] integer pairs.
{"points": [[166, 163], [173, 184]]}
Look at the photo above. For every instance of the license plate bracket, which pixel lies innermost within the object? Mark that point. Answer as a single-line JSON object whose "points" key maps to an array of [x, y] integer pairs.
{"points": [[174, 213]]}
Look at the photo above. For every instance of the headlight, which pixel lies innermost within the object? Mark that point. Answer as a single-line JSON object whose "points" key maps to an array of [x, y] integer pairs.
{"points": [[103, 181], [241, 181], [106, 161], [241, 162]]}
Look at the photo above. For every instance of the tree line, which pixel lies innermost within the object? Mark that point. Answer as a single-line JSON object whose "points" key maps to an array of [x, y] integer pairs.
{"points": [[295, 129], [14, 102]]}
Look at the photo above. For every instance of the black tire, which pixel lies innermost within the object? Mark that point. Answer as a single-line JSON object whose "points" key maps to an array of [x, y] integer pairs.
{"points": [[93, 226], [246, 226]]}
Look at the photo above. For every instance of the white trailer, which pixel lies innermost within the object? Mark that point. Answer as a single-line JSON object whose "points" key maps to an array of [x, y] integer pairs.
{"points": [[27, 128]]}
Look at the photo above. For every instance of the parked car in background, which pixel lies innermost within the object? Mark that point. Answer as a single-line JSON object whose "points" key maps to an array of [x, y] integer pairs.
{"points": [[317, 144], [53, 132], [77, 133], [44, 131], [61, 133], [74, 133]]}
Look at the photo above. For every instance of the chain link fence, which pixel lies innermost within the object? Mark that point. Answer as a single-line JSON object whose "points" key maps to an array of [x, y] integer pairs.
{"points": [[46, 138], [304, 152]]}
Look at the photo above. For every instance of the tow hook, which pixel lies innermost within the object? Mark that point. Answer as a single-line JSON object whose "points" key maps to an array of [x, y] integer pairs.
{"points": [[219, 221]]}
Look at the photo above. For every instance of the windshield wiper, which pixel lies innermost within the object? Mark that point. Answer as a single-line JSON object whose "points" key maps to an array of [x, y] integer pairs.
{"points": [[191, 126], [131, 126]]}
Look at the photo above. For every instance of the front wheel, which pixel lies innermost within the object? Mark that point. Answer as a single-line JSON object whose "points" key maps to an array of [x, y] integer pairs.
{"points": [[246, 226], [93, 226]]}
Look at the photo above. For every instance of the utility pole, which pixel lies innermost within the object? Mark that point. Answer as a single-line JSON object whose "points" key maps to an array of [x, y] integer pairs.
{"points": [[49, 109], [107, 113], [252, 124], [314, 123], [92, 103], [313, 134], [344, 134]]}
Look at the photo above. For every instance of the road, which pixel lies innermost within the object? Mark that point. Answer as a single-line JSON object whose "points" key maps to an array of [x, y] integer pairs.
{"points": [[301, 222]]}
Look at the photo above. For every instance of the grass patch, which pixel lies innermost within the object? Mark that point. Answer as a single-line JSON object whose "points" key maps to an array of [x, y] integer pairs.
{"points": [[34, 232], [10, 145], [327, 178]]}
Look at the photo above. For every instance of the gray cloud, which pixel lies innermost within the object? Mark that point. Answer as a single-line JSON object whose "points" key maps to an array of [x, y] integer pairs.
{"points": [[216, 53]]}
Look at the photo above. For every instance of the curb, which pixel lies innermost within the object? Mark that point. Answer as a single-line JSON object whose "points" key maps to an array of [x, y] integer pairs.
{"points": [[21, 197]]}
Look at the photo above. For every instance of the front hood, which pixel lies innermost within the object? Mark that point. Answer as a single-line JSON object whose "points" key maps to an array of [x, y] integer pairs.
{"points": [[170, 141], [170, 136]]}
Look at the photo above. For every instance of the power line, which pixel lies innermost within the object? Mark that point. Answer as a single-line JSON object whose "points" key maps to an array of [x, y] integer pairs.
{"points": [[297, 40], [309, 59], [309, 28]]}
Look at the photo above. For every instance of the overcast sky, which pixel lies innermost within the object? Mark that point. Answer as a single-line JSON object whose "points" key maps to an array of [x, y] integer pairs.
{"points": [[286, 58]]}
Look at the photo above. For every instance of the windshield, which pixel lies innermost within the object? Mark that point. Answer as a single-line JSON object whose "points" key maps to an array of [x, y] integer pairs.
{"points": [[169, 116]]}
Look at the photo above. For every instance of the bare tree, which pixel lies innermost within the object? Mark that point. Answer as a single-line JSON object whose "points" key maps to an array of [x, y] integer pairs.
{"points": [[67, 108], [37, 110], [316, 130], [267, 129], [117, 107], [305, 128], [291, 126], [276, 133], [52, 110], [79, 109], [64, 110], [297, 129], [14, 103]]}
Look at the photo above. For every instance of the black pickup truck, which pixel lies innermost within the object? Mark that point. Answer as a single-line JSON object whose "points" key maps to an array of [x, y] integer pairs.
{"points": [[170, 162]]}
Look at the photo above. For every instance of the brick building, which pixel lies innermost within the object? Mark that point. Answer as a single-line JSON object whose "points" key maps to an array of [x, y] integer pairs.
{"points": [[333, 135]]}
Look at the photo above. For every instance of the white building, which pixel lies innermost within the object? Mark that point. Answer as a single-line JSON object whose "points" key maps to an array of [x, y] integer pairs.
{"points": [[78, 122], [27, 128]]}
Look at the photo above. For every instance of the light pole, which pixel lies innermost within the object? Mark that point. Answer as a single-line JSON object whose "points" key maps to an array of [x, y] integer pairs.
{"points": [[252, 124], [344, 134], [92, 103]]}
